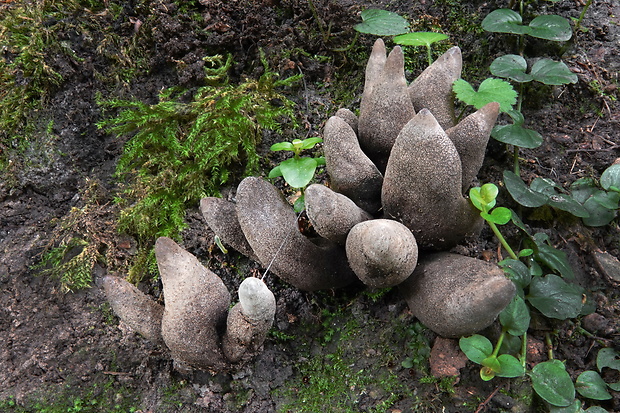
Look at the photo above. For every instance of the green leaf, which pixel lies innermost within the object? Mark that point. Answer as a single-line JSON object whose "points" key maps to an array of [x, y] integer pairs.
{"points": [[516, 134], [574, 407], [298, 172], [517, 272], [521, 193], [552, 383], [515, 318], [550, 27], [554, 259], [476, 198], [568, 204], [282, 146], [590, 384], [504, 21], [275, 172], [608, 357], [511, 66], [490, 90], [607, 200], [382, 23], [611, 177], [499, 216], [310, 142], [599, 215], [419, 38], [551, 72], [489, 192], [300, 204], [555, 298], [492, 363], [476, 348], [510, 366]]}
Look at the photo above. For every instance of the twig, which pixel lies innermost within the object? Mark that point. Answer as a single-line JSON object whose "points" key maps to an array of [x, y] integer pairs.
{"points": [[482, 405]]}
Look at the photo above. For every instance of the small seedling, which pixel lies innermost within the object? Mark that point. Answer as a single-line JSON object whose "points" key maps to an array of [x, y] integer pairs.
{"points": [[421, 39], [484, 199], [297, 171]]}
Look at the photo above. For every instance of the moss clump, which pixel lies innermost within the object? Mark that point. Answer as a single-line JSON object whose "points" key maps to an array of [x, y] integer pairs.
{"points": [[179, 152]]}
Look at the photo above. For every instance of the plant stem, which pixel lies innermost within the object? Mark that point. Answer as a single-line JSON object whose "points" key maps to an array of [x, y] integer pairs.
{"points": [[583, 13], [500, 340], [502, 240], [549, 346], [428, 55], [524, 350], [515, 160]]}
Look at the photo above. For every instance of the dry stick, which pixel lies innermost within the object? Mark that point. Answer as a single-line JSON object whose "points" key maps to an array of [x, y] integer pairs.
{"points": [[594, 150], [482, 405]]}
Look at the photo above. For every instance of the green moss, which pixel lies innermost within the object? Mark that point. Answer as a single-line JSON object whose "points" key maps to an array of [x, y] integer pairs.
{"points": [[178, 152], [108, 397]]}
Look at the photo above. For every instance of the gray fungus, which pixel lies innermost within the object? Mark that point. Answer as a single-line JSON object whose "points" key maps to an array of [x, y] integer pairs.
{"points": [[397, 174]]}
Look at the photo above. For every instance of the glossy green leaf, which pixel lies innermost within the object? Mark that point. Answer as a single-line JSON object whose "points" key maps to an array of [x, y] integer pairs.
{"points": [[574, 407], [476, 198], [300, 204], [555, 298], [550, 27], [310, 142], [489, 193], [567, 203], [552, 383], [298, 172], [521, 193], [515, 318], [499, 216], [275, 172], [476, 348], [590, 384], [382, 23], [609, 200], [517, 272], [608, 357], [504, 21], [510, 366], [491, 362], [554, 259], [420, 38], [550, 72], [511, 66], [516, 134], [611, 177], [282, 146], [599, 216], [490, 90]]}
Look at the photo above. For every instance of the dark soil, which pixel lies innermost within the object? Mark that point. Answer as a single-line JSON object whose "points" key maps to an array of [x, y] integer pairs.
{"points": [[58, 347]]}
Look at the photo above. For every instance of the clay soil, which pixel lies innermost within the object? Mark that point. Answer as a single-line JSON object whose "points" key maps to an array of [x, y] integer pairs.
{"points": [[68, 349]]}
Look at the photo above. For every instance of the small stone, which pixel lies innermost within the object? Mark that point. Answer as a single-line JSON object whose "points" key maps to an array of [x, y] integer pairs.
{"points": [[433, 88], [381, 252], [446, 359], [608, 265], [332, 214], [134, 307], [457, 296]]}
